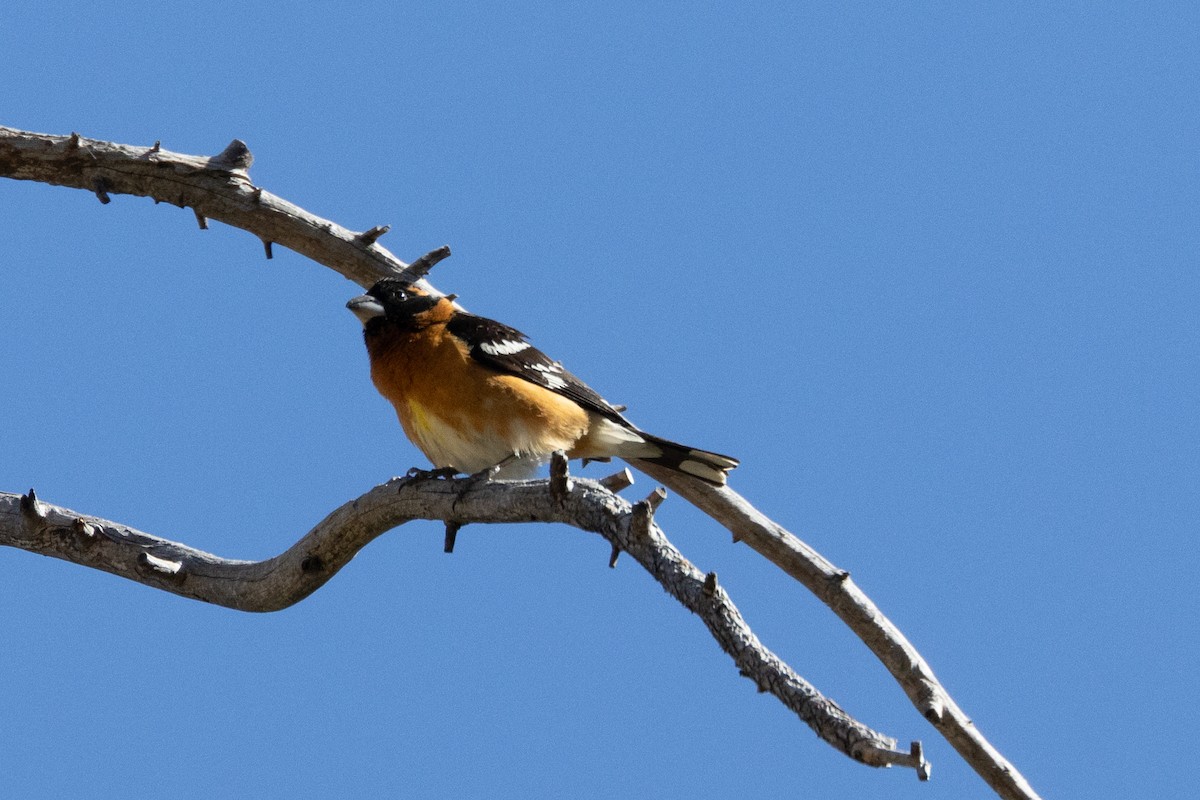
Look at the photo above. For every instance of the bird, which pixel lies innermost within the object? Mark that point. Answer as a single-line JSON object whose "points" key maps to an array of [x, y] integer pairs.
{"points": [[477, 398]]}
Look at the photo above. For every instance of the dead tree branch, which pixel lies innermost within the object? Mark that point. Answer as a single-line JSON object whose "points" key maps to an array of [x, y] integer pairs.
{"points": [[835, 589], [216, 187], [220, 188], [275, 583]]}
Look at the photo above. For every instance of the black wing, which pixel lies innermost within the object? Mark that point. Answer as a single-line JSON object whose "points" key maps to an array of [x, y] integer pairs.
{"points": [[506, 349]]}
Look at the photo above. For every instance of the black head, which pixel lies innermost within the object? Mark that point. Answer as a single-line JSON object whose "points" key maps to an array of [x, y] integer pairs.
{"points": [[393, 301]]}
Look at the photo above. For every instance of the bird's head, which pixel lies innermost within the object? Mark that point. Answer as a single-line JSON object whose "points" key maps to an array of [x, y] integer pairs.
{"points": [[395, 302]]}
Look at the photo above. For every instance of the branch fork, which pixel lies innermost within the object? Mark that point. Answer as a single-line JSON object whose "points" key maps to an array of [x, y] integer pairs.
{"points": [[219, 188]]}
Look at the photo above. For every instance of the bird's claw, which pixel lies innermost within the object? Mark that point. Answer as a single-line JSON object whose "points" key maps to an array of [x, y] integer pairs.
{"points": [[438, 474], [471, 482], [483, 476]]}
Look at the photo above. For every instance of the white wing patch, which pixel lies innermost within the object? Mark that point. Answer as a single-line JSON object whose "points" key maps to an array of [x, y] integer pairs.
{"points": [[505, 347], [549, 373]]}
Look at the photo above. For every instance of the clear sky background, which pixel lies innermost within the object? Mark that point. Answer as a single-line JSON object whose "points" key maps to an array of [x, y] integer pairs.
{"points": [[929, 270]]}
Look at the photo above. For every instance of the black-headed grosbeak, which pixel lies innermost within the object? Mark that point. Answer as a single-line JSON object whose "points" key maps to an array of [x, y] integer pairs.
{"points": [[473, 394]]}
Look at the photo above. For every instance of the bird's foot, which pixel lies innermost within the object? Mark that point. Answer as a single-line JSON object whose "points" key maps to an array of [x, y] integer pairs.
{"points": [[438, 474], [472, 482], [481, 477]]}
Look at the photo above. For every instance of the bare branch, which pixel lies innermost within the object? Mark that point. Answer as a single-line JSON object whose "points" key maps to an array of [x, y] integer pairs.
{"points": [[452, 529], [214, 188], [421, 267], [369, 237], [289, 577], [219, 188], [834, 587]]}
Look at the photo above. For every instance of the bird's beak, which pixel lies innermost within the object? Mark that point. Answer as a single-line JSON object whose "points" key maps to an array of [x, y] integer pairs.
{"points": [[365, 307]]}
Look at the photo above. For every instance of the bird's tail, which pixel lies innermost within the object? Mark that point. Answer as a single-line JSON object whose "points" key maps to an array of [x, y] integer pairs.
{"points": [[710, 467]]}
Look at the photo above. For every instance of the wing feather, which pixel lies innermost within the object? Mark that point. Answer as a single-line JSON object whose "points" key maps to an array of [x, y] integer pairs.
{"points": [[507, 350]]}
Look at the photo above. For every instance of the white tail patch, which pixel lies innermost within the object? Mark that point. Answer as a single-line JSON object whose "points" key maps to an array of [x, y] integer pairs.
{"points": [[701, 470]]}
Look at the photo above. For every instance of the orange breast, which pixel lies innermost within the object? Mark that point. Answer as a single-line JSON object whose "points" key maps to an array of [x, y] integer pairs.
{"points": [[463, 415]]}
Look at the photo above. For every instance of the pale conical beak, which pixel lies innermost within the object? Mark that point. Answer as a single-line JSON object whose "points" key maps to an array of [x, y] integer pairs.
{"points": [[365, 307]]}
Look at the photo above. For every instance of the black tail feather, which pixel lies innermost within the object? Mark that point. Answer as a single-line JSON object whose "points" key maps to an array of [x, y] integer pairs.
{"points": [[709, 467]]}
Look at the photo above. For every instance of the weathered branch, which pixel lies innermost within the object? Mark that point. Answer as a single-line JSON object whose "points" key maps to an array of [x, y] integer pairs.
{"points": [[219, 188], [30, 524], [835, 589], [214, 188]]}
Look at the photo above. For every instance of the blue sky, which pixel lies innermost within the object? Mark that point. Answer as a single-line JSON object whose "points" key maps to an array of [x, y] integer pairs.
{"points": [[930, 271]]}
